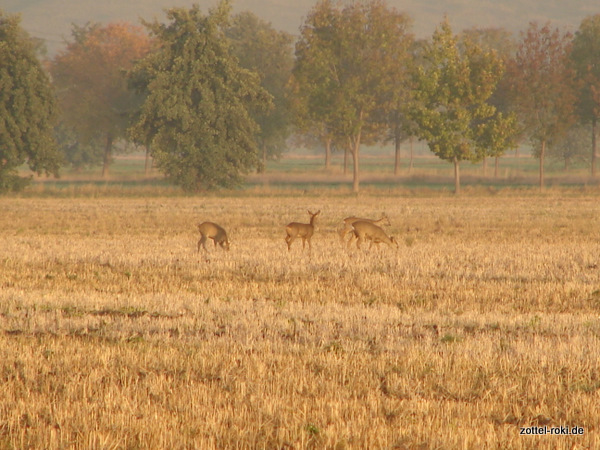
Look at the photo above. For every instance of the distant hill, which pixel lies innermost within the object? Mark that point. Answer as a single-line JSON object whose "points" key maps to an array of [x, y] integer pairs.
{"points": [[52, 19]]}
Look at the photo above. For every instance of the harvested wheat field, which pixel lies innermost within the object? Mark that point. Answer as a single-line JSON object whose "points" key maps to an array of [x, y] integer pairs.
{"points": [[482, 325]]}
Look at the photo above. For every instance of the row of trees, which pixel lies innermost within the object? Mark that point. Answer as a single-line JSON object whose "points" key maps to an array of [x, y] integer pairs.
{"points": [[212, 96]]}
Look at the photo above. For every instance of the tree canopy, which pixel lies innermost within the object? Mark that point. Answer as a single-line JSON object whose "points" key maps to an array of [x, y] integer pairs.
{"points": [[542, 86], [96, 102], [585, 54], [345, 63], [268, 52], [27, 108], [451, 106], [197, 115]]}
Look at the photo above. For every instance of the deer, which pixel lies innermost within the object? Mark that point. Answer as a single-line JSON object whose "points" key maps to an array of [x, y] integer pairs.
{"points": [[368, 230], [349, 221], [213, 231], [302, 230]]}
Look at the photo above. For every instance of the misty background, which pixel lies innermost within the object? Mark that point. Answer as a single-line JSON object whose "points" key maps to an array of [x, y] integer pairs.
{"points": [[51, 20]]}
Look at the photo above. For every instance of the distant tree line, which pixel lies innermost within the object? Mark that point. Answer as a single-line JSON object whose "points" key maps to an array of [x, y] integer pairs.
{"points": [[212, 96]]}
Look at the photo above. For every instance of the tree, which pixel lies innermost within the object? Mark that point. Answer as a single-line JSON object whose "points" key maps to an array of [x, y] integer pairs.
{"points": [[585, 54], [502, 43], [571, 147], [542, 88], [452, 107], [197, 115], [27, 109], [78, 153], [261, 49], [344, 62], [93, 92], [398, 97], [308, 85]]}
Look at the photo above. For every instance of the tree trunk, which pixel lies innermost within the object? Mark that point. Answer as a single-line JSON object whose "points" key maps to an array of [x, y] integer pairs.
{"points": [[496, 164], [262, 162], [148, 162], [594, 146], [397, 155], [107, 155], [410, 166], [456, 176], [355, 178], [485, 166], [542, 154], [327, 153], [355, 149], [345, 161]]}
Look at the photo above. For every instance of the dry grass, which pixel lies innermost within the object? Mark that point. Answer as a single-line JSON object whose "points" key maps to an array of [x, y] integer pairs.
{"points": [[114, 333]]}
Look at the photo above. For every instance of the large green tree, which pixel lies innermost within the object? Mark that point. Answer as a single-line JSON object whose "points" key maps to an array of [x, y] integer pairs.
{"points": [[585, 54], [96, 102], [197, 116], [452, 108], [27, 108], [268, 52], [345, 61]]}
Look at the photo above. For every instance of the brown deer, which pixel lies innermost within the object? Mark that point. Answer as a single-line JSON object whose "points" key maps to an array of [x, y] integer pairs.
{"points": [[213, 231], [349, 221], [368, 230], [302, 230]]}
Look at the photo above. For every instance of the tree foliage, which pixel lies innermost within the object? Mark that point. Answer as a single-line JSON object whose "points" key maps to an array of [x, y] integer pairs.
{"points": [[197, 116], [344, 68], [571, 147], [452, 109], [268, 52], [398, 95], [585, 55], [90, 76], [27, 108], [541, 82]]}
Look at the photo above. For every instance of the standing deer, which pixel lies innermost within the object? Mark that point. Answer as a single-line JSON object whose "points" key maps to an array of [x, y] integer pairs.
{"points": [[349, 221], [213, 231], [302, 230], [368, 230]]}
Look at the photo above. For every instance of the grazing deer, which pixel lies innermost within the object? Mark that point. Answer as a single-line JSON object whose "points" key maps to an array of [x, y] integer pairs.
{"points": [[302, 230], [349, 221], [368, 230], [213, 231]]}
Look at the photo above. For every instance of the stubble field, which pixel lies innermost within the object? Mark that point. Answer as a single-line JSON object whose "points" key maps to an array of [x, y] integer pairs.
{"points": [[115, 333]]}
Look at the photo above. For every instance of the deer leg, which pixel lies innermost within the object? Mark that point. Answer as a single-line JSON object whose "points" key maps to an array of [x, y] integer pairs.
{"points": [[358, 242], [201, 243], [350, 240], [289, 239], [344, 231]]}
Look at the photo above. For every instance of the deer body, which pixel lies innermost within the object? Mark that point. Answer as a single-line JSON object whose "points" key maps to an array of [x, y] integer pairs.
{"points": [[364, 230], [302, 230], [350, 221], [210, 230]]}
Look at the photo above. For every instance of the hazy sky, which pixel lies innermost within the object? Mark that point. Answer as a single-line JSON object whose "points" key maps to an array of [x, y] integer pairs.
{"points": [[52, 19]]}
